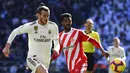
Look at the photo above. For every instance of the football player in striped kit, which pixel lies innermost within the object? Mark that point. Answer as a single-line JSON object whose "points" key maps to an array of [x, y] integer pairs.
{"points": [[71, 43]]}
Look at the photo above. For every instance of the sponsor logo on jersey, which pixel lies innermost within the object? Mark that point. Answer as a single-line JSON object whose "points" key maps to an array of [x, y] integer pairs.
{"points": [[72, 40], [36, 28], [42, 38], [69, 47]]}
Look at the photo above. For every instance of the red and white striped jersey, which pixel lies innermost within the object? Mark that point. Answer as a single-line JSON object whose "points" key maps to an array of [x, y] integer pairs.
{"points": [[71, 44]]}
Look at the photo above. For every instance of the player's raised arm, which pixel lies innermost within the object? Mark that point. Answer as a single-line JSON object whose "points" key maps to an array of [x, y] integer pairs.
{"points": [[85, 37], [21, 29]]}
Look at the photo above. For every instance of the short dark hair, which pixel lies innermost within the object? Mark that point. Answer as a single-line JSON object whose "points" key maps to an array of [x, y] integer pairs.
{"points": [[42, 7], [65, 15]]}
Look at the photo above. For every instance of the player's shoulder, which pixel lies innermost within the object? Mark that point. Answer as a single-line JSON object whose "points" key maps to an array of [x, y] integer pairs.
{"points": [[51, 23], [94, 32], [77, 29], [121, 48], [30, 23]]}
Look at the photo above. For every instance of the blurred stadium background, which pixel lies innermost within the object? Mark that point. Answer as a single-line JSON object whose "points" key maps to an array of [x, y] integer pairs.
{"points": [[111, 18]]}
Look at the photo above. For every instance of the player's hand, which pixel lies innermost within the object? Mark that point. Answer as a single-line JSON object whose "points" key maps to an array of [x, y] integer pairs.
{"points": [[105, 53], [6, 50]]}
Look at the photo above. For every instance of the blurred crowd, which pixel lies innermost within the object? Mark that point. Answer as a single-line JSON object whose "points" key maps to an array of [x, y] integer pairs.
{"points": [[111, 18]]}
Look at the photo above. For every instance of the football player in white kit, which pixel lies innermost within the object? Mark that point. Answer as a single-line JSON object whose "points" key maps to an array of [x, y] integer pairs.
{"points": [[116, 51], [41, 33]]}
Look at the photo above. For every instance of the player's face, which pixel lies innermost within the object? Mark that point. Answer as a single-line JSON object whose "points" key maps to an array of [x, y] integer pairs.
{"points": [[43, 16], [116, 42], [67, 22], [88, 25]]}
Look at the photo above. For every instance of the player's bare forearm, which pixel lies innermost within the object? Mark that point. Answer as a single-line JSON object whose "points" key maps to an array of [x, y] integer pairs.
{"points": [[7, 45], [102, 49], [104, 53]]}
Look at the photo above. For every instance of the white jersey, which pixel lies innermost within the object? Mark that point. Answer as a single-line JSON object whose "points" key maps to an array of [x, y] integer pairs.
{"points": [[116, 53], [40, 38]]}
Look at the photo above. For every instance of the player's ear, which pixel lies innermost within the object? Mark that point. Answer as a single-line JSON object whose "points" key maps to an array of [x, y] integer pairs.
{"points": [[37, 15], [71, 21]]}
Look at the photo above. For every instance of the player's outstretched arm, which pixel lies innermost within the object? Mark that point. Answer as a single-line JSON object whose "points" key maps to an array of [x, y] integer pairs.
{"points": [[8, 44], [21, 29], [6, 50], [98, 45], [85, 37]]}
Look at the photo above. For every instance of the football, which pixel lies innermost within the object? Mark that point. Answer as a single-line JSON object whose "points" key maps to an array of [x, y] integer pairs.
{"points": [[118, 65]]}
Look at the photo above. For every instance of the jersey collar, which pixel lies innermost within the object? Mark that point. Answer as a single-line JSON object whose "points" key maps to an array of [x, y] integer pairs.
{"points": [[89, 32]]}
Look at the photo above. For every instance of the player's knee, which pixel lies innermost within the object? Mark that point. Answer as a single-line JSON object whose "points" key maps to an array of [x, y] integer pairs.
{"points": [[41, 69]]}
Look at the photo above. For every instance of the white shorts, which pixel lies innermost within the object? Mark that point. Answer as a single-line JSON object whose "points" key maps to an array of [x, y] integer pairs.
{"points": [[34, 62]]}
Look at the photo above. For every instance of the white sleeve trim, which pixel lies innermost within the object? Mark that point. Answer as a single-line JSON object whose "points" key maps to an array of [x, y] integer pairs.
{"points": [[88, 38]]}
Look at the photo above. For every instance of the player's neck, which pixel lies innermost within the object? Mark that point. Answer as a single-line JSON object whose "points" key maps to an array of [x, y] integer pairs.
{"points": [[67, 30], [116, 46], [88, 30], [39, 22]]}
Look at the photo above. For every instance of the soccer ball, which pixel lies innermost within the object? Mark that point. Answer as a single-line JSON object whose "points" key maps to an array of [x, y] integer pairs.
{"points": [[118, 65]]}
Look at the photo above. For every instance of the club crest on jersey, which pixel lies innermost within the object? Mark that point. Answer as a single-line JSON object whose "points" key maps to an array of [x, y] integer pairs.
{"points": [[36, 28], [72, 40], [49, 32]]}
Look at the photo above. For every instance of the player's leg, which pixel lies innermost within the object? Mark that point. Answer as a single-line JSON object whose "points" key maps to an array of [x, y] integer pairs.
{"points": [[36, 66], [41, 69], [90, 59]]}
